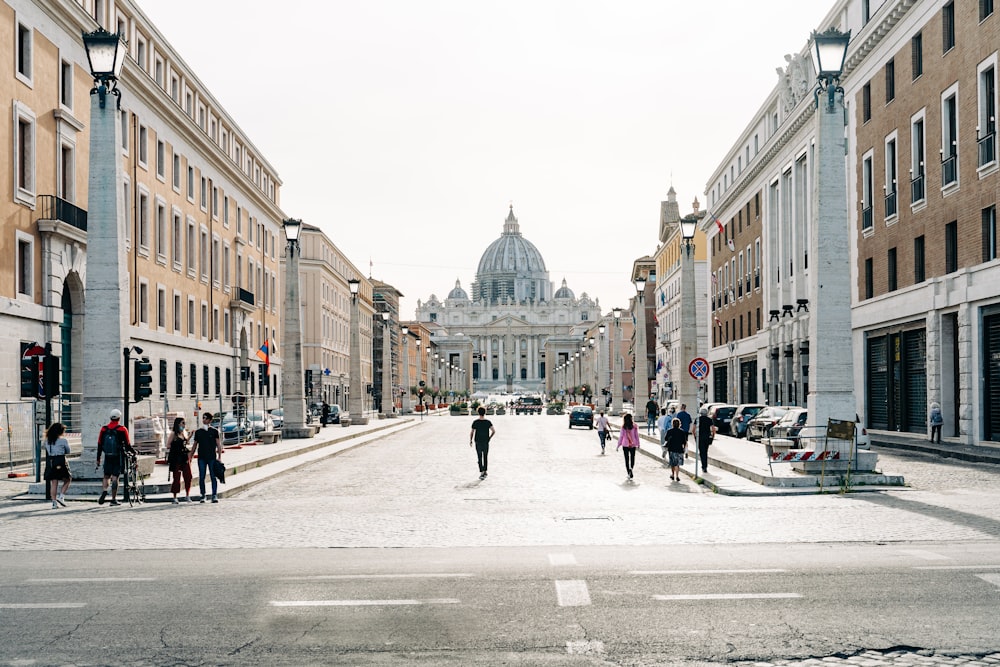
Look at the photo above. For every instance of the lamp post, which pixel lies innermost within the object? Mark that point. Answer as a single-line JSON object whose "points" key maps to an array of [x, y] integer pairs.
{"points": [[831, 385], [602, 359], [687, 390], [292, 378], [616, 362], [641, 375], [106, 280], [387, 398], [405, 332], [594, 353], [355, 397]]}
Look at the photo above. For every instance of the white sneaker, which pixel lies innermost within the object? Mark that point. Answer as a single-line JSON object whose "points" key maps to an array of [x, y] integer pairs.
{"points": [[61, 499], [55, 505], [176, 502]]}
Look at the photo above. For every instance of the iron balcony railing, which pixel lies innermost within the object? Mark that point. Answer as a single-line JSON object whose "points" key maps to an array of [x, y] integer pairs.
{"points": [[987, 149], [917, 189], [51, 207], [949, 170], [866, 217], [890, 204]]}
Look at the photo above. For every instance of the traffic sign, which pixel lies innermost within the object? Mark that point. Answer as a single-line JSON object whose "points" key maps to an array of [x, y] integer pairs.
{"points": [[698, 368]]}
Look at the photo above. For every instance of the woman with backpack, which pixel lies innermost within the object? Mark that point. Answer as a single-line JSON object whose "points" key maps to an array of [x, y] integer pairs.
{"points": [[628, 438], [56, 468], [179, 457]]}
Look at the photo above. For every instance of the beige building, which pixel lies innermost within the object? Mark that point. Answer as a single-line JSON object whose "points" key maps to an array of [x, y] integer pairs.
{"points": [[202, 224]]}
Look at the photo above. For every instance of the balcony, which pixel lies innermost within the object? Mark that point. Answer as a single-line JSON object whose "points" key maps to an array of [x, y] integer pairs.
{"points": [[51, 207], [917, 189], [890, 204], [244, 300], [866, 217], [987, 149], [949, 170]]}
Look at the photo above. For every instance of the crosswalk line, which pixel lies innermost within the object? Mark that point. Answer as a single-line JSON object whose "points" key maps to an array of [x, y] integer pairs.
{"points": [[923, 554], [88, 580], [990, 577], [43, 605], [361, 603], [410, 575], [775, 570], [728, 596], [572, 593], [562, 559]]}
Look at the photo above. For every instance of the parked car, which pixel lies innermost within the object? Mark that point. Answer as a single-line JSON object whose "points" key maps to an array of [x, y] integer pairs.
{"points": [[278, 417], [334, 416], [581, 415], [235, 429], [760, 426], [790, 425], [260, 421], [861, 437], [744, 413], [722, 416]]}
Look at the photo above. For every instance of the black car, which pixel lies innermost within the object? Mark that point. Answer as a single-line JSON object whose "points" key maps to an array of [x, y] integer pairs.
{"points": [[722, 417], [790, 424], [760, 426], [581, 415]]}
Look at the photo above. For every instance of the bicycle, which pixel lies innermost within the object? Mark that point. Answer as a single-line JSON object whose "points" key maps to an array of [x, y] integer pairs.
{"points": [[135, 491]]}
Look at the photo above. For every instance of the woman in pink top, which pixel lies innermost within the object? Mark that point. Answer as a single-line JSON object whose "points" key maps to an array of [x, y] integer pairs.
{"points": [[628, 438]]}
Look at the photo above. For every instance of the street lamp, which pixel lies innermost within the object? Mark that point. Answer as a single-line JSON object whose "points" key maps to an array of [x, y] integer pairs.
{"points": [[106, 287], [387, 399], [355, 397], [687, 390], [292, 379], [831, 386], [405, 332], [595, 353], [602, 359], [615, 359], [641, 376]]}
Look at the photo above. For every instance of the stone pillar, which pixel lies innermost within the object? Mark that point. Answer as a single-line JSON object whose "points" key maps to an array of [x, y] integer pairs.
{"points": [[388, 400], [687, 386], [616, 365], [967, 383], [355, 400], [292, 376], [641, 376], [406, 373], [106, 288]]}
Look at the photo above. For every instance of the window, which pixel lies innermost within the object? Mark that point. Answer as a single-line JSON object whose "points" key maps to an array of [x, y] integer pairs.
{"points": [[161, 308], [25, 265], [193, 378], [869, 279], [203, 256], [124, 120], [204, 320], [161, 160], [949, 138], [24, 155], [161, 231], [143, 303], [143, 214], [175, 240], [917, 55], [919, 270], [989, 233], [190, 249], [985, 9], [190, 183], [987, 127], [190, 316], [142, 145], [917, 147], [890, 177], [890, 81], [948, 27], [867, 188], [216, 258], [175, 89], [204, 193], [891, 270], [66, 84], [23, 53], [951, 247], [158, 72], [866, 11], [177, 312], [866, 102], [67, 172]]}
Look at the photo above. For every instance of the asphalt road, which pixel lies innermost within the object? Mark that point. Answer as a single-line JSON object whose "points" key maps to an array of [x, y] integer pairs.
{"points": [[395, 553]]}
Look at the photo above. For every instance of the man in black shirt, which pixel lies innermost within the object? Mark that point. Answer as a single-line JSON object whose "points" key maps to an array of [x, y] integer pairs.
{"points": [[482, 432], [209, 450]]}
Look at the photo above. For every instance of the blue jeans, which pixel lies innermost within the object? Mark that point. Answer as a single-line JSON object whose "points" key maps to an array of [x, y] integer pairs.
{"points": [[204, 464]]}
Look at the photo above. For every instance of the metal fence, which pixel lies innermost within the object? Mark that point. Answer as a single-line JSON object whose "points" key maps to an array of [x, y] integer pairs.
{"points": [[18, 432]]}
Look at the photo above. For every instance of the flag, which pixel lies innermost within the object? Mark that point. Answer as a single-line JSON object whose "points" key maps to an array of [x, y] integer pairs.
{"points": [[264, 354], [659, 365], [719, 225], [732, 246]]}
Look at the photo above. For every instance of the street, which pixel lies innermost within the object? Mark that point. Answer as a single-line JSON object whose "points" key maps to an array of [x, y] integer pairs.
{"points": [[396, 553]]}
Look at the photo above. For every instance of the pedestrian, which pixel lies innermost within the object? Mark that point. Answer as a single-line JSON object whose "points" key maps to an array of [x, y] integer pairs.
{"points": [[704, 434], [651, 409], [937, 420], [482, 432], [664, 424], [603, 428], [179, 459], [56, 468], [209, 451], [325, 412], [112, 443], [628, 439], [685, 417], [676, 448]]}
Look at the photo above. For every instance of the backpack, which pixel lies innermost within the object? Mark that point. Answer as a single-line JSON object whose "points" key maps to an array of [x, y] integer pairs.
{"points": [[109, 442]]}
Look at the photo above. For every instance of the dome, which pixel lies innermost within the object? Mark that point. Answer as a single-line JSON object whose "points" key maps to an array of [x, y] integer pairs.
{"points": [[564, 292], [458, 292], [512, 268]]}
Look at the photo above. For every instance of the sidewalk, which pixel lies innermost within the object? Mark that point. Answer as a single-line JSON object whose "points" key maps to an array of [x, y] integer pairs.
{"points": [[246, 465], [949, 448]]}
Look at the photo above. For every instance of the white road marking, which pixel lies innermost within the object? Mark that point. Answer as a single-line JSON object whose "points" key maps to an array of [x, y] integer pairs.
{"points": [[729, 596], [44, 605], [360, 603], [760, 571], [562, 559], [925, 555], [990, 578], [956, 567], [86, 580], [572, 593], [412, 575], [584, 647]]}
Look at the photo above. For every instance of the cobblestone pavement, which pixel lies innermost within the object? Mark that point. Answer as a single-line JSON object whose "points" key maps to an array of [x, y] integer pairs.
{"points": [[899, 657], [547, 486]]}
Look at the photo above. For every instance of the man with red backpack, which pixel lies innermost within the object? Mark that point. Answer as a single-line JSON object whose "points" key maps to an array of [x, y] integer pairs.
{"points": [[112, 442]]}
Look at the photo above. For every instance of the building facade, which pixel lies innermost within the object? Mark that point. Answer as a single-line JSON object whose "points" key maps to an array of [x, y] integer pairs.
{"points": [[202, 223]]}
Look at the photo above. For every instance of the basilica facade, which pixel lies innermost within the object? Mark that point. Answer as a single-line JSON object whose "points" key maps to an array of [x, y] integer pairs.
{"points": [[513, 329]]}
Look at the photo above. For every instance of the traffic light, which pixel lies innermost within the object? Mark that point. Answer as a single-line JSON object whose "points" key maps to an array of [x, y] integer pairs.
{"points": [[309, 382], [143, 379], [29, 377], [50, 376]]}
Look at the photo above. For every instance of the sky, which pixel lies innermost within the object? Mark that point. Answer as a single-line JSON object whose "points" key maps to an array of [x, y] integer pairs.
{"points": [[406, 128]]}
